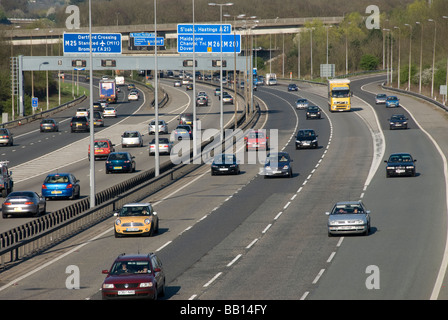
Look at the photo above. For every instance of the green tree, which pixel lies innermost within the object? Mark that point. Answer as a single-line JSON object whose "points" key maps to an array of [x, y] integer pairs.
{"points": [[369, 62]]}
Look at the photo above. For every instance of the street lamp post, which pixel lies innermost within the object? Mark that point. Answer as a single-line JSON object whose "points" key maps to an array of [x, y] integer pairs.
{"points": [[410, 54], [156, 96], [446, 81], [421, 58], [433, 57], [92, 131], [220, 5], [399, 50]]}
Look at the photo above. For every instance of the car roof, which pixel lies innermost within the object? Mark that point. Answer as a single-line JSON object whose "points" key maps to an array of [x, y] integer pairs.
{"points": [[348, 202], [133, 256], [137, 204]]}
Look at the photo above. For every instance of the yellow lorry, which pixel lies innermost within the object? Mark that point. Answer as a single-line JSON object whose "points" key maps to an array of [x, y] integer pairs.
{"points": [[339, 95]]}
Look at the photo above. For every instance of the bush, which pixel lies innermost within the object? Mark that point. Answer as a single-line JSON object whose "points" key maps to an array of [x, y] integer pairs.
{"points": [[369, 62]]}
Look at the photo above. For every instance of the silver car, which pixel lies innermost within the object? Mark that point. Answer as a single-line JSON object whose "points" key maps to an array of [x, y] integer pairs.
{"points": [[181, 132], [19, 203], [165, 146], [132, 138], [302, 104], [6, 137], [163, 127], [348, 217], [380, 98]]}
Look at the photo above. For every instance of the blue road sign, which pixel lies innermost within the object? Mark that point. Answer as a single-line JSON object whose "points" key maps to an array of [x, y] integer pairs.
{"points": [[142, 35], [102, 43], [149, 41], [203, 29], [34, 103], [209, 43]]}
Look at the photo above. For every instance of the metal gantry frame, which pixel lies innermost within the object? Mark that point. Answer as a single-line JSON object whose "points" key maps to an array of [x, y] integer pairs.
{"points": [[131, 62]]}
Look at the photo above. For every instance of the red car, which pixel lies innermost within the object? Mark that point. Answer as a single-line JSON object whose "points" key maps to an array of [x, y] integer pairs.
{"points": [[256, 140], [103, 147], [134, 276]]}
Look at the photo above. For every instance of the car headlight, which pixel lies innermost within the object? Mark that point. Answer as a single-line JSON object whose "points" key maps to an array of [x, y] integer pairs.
{"points": [[145, 285], [118, 222], [148, 221], [409, 167], [286, 167], [332, 223], [108, 286]]}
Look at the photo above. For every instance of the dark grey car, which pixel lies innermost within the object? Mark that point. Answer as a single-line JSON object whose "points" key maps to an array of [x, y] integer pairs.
{"points": [[20, 203], [49, 125], [278, 164]]}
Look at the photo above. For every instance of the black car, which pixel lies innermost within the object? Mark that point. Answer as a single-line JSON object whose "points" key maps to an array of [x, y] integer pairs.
{"points": [[293, 87], [398, 121], [313, 112], [225, 164], [49, 125], [278, 164], [306, 138], [79, 124], [400, 164]]}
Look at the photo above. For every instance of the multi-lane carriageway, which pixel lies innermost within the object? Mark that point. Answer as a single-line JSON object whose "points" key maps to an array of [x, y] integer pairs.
{"points": [[244, 237]]}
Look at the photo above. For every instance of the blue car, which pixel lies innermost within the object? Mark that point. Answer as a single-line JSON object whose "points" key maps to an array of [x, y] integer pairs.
{"points": [[61, 185], [392, 101], [120, 162]]}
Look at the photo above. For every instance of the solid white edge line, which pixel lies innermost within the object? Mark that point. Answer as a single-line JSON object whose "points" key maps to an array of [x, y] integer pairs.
{"points": [[443, 266]]}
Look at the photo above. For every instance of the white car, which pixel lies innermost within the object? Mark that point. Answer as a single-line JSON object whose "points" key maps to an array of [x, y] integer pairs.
{"points": [[82, 112], [133, 96], [163, 127], [110, 112], [131, 138], [165, 146]]}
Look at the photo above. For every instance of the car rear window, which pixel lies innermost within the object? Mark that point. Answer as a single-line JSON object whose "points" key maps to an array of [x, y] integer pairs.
{"points": [[56, 179]]}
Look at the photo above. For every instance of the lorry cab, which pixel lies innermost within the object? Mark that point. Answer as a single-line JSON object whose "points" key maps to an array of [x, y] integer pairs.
{"points": [[339, 95]]}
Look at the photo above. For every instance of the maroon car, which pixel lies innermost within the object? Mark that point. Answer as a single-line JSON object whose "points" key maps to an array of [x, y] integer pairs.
{"points": [[134, 276]]}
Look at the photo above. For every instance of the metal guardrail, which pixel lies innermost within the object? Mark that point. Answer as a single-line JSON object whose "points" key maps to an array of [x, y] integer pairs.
{"points": [[417, 95], [43, 114], [53, 228]]}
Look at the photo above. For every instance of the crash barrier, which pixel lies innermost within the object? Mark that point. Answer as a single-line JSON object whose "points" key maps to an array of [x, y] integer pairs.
{"points": [[53, 228], [417, 95], [43, 114]]}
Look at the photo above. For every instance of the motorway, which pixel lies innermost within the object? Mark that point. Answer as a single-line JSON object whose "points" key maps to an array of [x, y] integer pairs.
{"points": [[246, 237]]}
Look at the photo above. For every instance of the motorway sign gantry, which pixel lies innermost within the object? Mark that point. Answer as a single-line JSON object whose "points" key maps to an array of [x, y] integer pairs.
{"points": [[102, 43], [203, 29], [149, 41], [209, 43]]}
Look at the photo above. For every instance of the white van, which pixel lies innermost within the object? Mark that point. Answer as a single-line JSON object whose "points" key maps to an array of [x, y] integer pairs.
{"points": [[119, 80]]}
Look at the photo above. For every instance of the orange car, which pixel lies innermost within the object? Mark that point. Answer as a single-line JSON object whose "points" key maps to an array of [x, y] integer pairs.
{"points": [[256, 140], [103, 147]]}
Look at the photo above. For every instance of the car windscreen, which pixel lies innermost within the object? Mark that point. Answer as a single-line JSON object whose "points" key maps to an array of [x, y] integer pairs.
{"points": [[130, 267], [347, 209], [132, 211], [305, 133]]}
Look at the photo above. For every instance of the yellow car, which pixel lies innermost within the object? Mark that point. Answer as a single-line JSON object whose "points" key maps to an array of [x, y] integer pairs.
{"points": [[136, 219]]}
